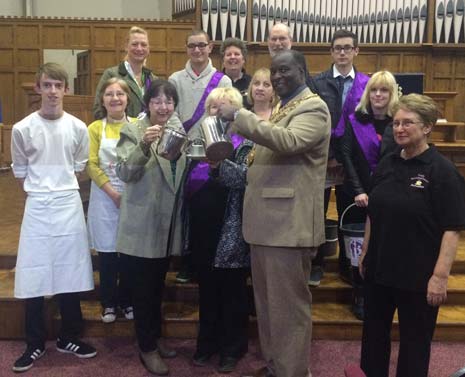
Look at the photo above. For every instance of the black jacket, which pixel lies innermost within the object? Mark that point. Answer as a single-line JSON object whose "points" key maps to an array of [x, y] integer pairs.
{"points": [[356, 167]]}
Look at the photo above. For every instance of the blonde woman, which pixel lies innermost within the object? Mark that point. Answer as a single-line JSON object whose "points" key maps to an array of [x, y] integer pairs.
{"points": [[367, 138], [105, 198], [260, 94], [220, 253], [132, 70]]}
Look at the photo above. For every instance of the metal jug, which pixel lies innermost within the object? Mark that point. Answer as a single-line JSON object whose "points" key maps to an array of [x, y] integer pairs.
{"points": [[217, 142], [172, 143]]}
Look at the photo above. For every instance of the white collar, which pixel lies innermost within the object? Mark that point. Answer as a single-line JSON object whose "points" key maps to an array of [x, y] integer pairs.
{"points": [[336, 73]]}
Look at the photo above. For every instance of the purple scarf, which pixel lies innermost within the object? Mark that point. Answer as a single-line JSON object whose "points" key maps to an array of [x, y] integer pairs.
{"points": [[200, 110], [199, 175], [351, 102], [368, 140]]}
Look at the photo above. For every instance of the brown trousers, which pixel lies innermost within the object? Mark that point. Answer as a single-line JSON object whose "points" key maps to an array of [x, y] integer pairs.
{"points": [[283, 303]]}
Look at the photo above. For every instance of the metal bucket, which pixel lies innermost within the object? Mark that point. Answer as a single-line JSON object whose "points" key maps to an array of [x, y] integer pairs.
{"points": [[353, 238]]}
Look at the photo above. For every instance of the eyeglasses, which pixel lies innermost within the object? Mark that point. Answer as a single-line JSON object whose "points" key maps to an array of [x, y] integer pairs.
{"points": [[346, 48], [112, 94], [158, 102], [201, 46], [404, 123]]}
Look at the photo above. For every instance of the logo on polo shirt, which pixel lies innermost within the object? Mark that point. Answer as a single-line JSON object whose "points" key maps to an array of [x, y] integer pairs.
{"points": [[418, 181]]}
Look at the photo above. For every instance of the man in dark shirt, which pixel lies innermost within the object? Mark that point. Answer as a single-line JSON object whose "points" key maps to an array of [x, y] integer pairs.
{"points": [[341, 87]]}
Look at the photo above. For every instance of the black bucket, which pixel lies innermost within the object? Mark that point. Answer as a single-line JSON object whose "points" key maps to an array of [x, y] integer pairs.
{"points": [[353, 238], [329, 248]]}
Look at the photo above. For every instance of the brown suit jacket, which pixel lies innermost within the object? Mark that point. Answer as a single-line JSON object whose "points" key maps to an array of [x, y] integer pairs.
{"points": [[283, 204]]}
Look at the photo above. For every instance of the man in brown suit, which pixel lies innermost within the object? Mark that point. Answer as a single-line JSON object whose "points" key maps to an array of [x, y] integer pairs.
{"points": [[283, 212]]}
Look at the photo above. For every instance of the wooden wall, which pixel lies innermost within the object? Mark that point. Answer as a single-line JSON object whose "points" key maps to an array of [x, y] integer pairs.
{"points": [[22, 41]]}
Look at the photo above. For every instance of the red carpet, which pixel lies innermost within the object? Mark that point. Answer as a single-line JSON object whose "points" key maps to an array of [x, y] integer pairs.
{"points": [[118, 357]]}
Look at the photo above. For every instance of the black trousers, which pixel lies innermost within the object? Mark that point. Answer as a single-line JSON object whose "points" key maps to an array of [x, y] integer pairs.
{"points": [[343, 200], [417, 321], [148, 282], [71, 319], [224, 318], [113, 291]]}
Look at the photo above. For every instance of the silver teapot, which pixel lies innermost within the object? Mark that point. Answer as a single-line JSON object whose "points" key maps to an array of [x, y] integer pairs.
{"points": [[217, 142], [172, 143]]}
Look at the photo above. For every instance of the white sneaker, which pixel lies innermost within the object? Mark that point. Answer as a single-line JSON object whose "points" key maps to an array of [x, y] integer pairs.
{"points": [[109, 315], [128, 312]]}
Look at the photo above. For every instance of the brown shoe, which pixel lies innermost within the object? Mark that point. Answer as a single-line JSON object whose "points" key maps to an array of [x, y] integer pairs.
{"points": [[154, 363], [262, 372], [164, 351]]}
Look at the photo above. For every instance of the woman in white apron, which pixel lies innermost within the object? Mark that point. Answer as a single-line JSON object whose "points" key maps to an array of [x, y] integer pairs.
{"points": [[105, 196]]}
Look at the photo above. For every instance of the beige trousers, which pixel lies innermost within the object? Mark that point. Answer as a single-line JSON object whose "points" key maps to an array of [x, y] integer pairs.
{"points": [[283, 303]]}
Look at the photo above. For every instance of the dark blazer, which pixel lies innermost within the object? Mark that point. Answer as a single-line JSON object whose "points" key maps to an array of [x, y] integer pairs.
{"points": [[356, 167]]}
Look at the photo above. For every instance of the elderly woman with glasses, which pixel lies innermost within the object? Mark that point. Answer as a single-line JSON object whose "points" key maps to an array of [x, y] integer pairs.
{"points": [[415, 212], [150, 226]]}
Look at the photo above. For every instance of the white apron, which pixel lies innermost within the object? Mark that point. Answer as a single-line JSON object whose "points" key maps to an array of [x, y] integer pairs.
{"points": [[53, 252], [102, 214]]}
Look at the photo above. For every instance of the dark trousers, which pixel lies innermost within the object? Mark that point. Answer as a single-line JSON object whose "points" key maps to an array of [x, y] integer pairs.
{"points": [[114, 292], [343, 200], [71, 319], [223, 304], [417, 321], [148, 282]]}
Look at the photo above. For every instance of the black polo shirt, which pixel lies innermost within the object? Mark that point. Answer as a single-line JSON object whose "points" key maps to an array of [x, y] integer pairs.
{"points": [[412, 202], [242, 85]]}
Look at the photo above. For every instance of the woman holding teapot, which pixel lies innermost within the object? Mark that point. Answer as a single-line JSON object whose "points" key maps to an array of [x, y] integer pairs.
{"points": [[150, 227]]}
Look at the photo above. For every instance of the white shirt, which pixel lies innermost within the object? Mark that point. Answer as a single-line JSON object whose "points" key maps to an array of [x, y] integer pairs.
{"points": [[47, 153], [348, 81]]}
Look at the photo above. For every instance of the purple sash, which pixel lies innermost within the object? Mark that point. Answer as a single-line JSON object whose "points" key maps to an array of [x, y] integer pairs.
{"points": [[200, 110], [368, 140], [199, 175], [351, 102]]}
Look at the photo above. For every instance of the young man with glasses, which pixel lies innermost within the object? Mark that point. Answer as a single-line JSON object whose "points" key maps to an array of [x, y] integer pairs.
{"points": [[341, 87], [193, 85]]}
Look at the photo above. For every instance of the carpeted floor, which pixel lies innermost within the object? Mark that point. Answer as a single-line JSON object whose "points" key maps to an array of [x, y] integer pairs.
{"points": [[118, 357]]}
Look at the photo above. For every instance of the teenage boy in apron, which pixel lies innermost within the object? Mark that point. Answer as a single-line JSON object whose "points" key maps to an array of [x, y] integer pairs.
{"points": [[49, 149]]}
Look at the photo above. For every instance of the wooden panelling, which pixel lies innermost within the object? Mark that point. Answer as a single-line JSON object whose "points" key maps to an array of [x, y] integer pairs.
{"points": [[105, 37], [27, 36], [79, 37], [28, 58], [22, 41], [6, 57], [6, 35], [178, 61], [177, 38], [104, 59], [159, 63], [157, 38], [54, 36], [7, 95]]}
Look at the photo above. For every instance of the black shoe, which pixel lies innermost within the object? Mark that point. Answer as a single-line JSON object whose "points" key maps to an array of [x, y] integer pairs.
{"points": [[316, 274], [357, 308], [184, 277], [227, 364], [201, 359], [26, 361], [76, 347]]}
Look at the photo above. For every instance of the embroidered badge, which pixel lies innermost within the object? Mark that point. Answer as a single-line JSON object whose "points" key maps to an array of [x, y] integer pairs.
{"points": [[419, 181]]}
